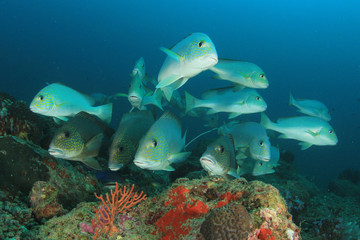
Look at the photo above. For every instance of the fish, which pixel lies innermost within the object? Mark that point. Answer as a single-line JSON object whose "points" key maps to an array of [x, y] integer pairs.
{"points": [[189, 57], [61, 102], [80, 139], [133, 126], [309, 107], [162, 145], [262, 168], [228, 99], [219, 157], [240, 72], [257, 167], [248, 137], [136, 91], [139, 68], [139, 95], [306, 129]]}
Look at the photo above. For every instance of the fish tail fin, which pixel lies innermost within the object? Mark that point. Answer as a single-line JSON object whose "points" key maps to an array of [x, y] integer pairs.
{"points": [[157, 98], [104, 112], [266, 122], [190, 102], [154, 99], [167, 93], [291, 99]]}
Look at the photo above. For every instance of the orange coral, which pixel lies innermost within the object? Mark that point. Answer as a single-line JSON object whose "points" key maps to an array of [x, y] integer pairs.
{"points": [[121, 200]]}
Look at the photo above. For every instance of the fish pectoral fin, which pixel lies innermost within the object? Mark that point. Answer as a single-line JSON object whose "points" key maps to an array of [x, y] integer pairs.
{"points": [[171, 54], [240, 155], [305, 145], [211, 111], [233, 173], [168, 168], [234, 115], [284, 136], [179, 157], [167, 81], [92, 162], [121, 95], [238, 87], [312, 133], [243, 74], [59, 120], [92, 147]]}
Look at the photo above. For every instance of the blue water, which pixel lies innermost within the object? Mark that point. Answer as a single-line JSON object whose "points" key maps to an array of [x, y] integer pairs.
{"points": [[309, 47]]}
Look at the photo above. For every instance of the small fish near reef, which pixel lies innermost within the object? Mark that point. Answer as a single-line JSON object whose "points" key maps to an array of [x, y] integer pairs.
{"points": [[162, 145], [61, 102], [256, 167], [80, 139], [228, 99], [309, 107], [188, 58], [133, 126], [309, 130], [240, 72], [219, 157], [249, 137]]}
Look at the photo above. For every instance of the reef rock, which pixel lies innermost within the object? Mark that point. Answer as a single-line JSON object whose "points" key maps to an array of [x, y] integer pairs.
{"points": [[24, 163]]}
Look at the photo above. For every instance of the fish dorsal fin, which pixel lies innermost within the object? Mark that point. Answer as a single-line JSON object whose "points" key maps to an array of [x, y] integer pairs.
{"points": [[171, 115], [91, 100], [105, 128], [212, 92]]}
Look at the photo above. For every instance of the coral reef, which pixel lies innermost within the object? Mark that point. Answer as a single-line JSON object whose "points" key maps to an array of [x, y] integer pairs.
{"points": [[16, 220], [228, 222], [24, 163], [43, 199]]}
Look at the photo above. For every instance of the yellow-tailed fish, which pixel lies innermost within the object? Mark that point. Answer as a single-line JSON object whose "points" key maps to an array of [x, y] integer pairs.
{"points": [[80, 139], [162, 145], [248, 136], [240, 72], [132, 128], [189, 57], [60, 101], [309, 130], [313, 108], [228, 99], [219, 157]]}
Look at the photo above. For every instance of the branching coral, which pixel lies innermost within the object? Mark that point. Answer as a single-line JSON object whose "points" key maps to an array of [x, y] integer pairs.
{"points": [[119, 202]]}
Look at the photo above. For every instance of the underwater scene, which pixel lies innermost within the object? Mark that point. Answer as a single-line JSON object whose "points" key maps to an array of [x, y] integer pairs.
{"points": [[180, 120]]}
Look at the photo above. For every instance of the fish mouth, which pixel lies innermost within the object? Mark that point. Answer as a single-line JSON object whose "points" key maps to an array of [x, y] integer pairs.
{"points": [[134, 100], [115, 166], [56, 152], [207, 160], [265, 159], [140, 163]]}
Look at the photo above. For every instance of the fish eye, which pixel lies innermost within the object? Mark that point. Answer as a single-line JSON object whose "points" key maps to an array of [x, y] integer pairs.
{"points": [[154, 143], [331, 131], [41, 97], [66, 134], [201, 43], [262, 75], [121, 148], [261, 143], [261, 164], [220, 149], [258, 98]]}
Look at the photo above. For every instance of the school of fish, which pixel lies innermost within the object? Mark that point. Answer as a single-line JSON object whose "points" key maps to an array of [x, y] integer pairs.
{"points": [[159, 143]]}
